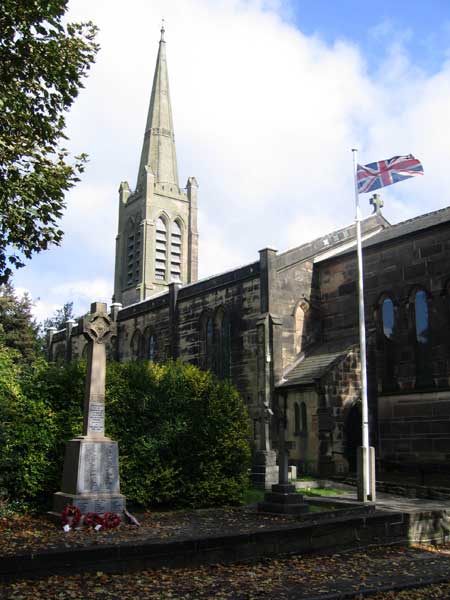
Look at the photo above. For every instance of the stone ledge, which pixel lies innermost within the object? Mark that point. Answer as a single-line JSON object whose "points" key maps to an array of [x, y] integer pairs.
{"points": [[328, 535]]}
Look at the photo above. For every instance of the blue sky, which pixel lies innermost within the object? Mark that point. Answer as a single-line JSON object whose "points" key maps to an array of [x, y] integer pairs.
{"points": [[424, 26], [268, 98]]}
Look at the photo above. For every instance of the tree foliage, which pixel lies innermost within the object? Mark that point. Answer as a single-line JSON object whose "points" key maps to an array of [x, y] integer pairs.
{"points": [[18, 329], [183, 435], [60, 317], [42, 65]]}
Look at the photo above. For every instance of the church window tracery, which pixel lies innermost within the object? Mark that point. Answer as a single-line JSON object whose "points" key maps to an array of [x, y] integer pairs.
{"points": [[161, 250], [175, 251]]}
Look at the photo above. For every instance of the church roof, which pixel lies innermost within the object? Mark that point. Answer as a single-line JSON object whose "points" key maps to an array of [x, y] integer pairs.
{"points": [[316, 362], [158, 148], [414, 225], [410, 226]]}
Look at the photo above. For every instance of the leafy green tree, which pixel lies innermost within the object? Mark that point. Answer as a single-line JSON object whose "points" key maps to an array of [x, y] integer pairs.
{"points": [[42, 64], [183, 435], [60, 317], [18, 329]]}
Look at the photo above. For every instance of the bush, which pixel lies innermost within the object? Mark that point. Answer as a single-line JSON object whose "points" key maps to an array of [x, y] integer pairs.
{"points": [[183, 435], [42, 413]]}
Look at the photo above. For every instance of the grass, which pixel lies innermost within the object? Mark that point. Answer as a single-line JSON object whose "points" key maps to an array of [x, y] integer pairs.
{"points": [[321, 492], [252, 495]]}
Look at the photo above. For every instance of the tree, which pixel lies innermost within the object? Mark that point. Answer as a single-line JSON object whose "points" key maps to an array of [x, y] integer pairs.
{"points": [[18, 329], [42, 64], [60, 317]]}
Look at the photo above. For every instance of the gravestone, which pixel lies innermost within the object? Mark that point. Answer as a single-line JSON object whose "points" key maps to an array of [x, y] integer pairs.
{"points": [[91, 465], [283, 499]]}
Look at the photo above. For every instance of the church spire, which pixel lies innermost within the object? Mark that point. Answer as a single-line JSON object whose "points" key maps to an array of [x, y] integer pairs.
{"points": [[158, 149]]}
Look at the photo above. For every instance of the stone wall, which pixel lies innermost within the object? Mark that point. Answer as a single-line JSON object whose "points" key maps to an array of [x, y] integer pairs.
{"points": [[401, 367], [305, 435]]}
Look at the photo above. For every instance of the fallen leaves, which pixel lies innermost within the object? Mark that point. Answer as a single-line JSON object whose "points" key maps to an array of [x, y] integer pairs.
{"points": [[287, 578]]}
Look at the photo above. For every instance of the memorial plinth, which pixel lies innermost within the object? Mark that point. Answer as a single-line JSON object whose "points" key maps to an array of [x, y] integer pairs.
{"points": [[283, 499], [91, 465]]}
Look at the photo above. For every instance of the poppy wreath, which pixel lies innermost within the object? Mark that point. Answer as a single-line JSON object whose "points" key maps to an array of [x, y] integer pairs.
{"points": [[71, 515], [111, 520], [93, 519]]}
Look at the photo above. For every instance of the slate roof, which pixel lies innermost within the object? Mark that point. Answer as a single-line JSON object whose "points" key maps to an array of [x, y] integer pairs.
{"points": [[316, 363], [422, 222]]}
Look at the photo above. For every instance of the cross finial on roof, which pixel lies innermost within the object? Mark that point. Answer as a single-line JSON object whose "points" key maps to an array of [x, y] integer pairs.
{"points": [[162, 31], [377, 204]]}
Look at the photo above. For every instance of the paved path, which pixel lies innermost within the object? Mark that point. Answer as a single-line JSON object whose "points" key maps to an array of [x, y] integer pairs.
{"points": [[397, 503]]}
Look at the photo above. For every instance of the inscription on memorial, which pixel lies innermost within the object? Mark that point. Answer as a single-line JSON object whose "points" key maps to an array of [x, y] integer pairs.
{"points": [[96, 417], [91, 471]]}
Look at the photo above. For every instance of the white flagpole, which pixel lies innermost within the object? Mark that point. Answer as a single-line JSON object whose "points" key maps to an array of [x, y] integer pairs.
{"points": [[362, 337]]}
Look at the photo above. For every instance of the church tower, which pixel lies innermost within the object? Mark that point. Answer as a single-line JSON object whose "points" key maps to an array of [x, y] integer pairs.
{"points": [[157, 240]]}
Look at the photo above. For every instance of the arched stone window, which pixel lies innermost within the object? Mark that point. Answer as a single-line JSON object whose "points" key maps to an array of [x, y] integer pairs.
{"points": [[226, 346], [387, 316], [422, 339], [175, 251], [300, 418], [300, 313], [136, 345], [222, 343], [296, 418], [161, 250], [149, 345], [133, 250], [303, 418], [209, 343], [421, 317], [206, 340], [151, 348]]}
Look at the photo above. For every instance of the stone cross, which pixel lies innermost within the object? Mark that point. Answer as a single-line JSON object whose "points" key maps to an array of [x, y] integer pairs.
{"points": [[377, 204], [91, 465], [97, 328]]}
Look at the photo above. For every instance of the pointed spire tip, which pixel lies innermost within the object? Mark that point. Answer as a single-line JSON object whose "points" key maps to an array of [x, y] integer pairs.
{"points": [[162, 31]]}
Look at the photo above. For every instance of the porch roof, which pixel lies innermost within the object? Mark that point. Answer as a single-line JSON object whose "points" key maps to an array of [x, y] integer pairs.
{"points": [[315, 362]]}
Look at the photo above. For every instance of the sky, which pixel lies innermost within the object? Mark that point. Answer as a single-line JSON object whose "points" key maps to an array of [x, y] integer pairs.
{"points": [[268, 98]]}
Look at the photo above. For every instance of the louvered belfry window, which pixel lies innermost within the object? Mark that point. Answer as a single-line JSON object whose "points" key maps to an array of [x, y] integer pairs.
{"points": [[175, 252], [161, 250]]}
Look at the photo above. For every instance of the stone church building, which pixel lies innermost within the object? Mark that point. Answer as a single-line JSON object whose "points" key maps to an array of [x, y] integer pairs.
{"points": [[284, 328]]}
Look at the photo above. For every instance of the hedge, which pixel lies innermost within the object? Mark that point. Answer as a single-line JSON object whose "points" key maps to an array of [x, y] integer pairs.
{"points": [[183, 435]]}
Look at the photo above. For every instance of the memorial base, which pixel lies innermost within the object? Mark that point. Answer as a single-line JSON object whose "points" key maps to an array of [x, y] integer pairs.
{"points": [[98, 503], [283, 500], [91, 477]]}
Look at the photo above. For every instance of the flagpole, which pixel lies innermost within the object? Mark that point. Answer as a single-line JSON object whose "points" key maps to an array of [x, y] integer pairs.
{"points": [[365, 462]]}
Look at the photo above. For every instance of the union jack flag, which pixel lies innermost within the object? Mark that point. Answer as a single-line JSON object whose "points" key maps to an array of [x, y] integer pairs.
{"points": [[386, 172]]}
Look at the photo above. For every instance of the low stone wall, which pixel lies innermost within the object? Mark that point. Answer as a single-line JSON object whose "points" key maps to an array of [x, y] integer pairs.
{"points": [[328, 535]]}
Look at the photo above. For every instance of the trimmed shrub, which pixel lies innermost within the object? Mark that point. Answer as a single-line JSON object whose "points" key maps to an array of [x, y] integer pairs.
{"points": [[183, 435]]}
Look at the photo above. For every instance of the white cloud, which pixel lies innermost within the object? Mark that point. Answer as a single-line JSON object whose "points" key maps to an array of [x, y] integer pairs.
{"points": [[265, 118]]}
